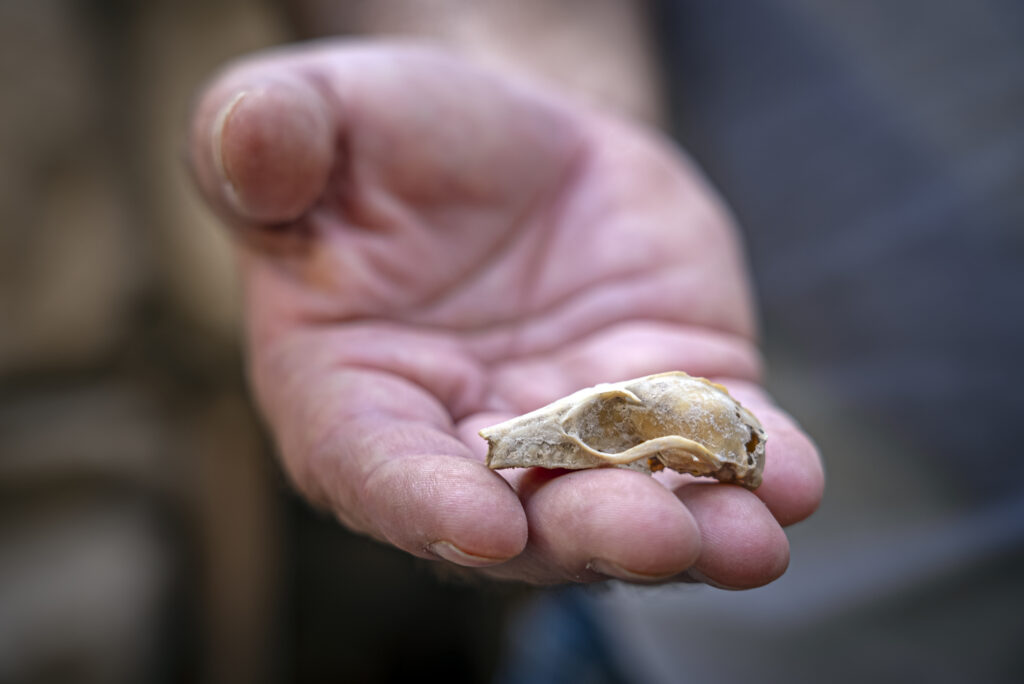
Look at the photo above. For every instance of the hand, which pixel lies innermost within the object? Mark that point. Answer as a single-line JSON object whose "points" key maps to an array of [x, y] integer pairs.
{"points": [[428, 248]]}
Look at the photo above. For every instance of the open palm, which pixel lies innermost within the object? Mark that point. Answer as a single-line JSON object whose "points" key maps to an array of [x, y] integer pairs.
{"points": [[429, 248]]}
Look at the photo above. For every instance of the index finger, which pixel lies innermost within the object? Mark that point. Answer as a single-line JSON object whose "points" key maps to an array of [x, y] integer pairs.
{"points": [[380, 452]]}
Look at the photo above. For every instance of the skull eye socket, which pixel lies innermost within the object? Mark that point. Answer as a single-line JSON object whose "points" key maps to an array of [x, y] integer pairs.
{"points": [[606, 424]]}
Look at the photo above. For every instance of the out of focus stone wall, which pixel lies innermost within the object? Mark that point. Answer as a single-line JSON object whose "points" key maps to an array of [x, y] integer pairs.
{"points": [[146, 533], [138, 528]]}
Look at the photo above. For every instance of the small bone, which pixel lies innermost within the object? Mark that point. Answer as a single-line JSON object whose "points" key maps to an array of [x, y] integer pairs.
{"points": [[671, 420]]}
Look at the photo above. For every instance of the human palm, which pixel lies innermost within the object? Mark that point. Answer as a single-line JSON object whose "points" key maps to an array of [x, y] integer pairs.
{"points": [[428, 248]]}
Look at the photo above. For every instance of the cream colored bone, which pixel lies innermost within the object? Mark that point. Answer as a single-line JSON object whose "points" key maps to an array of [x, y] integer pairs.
{"points": [[672, 420]]}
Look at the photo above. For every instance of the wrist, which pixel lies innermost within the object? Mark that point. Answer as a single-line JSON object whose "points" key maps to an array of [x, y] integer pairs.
{"points": [[598, 51]]}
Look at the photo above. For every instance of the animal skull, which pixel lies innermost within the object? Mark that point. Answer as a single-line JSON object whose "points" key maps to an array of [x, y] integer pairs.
{"points": [[672, 420]]}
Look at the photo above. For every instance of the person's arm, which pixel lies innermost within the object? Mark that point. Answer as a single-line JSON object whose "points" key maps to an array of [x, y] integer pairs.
{"points": [[600, 51]]}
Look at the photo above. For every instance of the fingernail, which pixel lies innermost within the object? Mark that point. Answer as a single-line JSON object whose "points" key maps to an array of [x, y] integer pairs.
{"points": [[217, 140], [454, 554], [699, 576], [610, 569], [272, 150]]}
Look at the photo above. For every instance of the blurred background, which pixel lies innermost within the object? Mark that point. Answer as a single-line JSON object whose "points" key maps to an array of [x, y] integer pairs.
{"points": [[872, 152], [146, 533]]}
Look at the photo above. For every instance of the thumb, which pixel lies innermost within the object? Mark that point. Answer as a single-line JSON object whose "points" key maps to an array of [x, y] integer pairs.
{"points": [[262, 150], [417, 125]]}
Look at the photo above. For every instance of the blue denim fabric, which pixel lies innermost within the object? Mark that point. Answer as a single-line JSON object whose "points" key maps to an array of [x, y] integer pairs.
{"points": [[556, 640]]}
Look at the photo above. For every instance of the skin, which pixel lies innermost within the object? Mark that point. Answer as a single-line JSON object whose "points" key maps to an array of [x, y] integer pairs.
{"points": [[428, 248]]}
